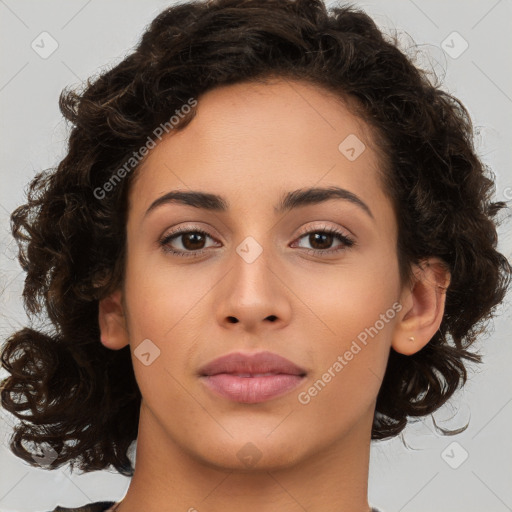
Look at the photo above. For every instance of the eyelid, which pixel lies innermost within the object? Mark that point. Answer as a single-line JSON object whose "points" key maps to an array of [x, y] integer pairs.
{"points": [[342, 230], [185, 228]]}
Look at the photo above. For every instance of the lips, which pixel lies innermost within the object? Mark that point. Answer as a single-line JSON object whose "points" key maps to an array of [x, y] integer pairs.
{"points": [[251, 365], [251, 378]]}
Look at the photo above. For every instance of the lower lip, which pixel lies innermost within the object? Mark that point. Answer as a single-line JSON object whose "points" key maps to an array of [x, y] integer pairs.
{"points": [[251, 390]]}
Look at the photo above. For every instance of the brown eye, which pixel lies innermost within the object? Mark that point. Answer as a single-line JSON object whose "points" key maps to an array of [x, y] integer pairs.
{"points": [[192, 242], [321, 241]]}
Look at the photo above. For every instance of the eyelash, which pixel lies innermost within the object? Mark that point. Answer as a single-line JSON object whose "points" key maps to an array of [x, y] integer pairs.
{"points": [[347, 241]]}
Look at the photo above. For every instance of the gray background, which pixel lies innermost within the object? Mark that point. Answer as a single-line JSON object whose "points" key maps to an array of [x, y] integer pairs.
{"points": [[93, 34]]}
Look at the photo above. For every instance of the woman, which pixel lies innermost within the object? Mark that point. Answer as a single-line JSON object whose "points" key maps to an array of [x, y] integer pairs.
{"points": [[269, 243]]}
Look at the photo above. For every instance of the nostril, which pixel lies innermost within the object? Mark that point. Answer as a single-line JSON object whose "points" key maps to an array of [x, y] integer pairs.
{"points": [[232, 319]]}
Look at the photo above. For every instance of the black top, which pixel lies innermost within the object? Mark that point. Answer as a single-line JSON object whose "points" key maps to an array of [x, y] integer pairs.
{"points": [[101, 506], [97, 506]]}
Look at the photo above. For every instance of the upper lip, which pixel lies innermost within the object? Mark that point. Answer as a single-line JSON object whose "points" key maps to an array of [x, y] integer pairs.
{"points": [[260, 362]]}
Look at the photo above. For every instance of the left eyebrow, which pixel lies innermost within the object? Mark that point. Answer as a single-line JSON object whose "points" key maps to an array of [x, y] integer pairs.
{"points": [[290, 200], [304, 197]]}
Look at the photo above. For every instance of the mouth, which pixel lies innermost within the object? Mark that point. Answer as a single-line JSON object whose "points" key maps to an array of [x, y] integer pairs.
{"points": [[251, 378]]}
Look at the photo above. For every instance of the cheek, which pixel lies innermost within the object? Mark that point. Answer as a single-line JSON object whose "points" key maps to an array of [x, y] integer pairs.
{"points": [[350, 360], [160, 298], [355, 315], [347, 300], [166, 314]]}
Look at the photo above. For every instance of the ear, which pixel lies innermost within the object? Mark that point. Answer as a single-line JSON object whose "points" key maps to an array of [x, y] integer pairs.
{"points": [[423, 309], [112, 321]]}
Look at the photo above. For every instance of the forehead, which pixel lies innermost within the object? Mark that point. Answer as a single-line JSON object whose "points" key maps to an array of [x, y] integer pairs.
{"points": [[251, 137]]}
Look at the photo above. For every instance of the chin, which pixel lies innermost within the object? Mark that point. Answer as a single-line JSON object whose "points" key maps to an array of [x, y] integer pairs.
{"points": [[249, 453]]}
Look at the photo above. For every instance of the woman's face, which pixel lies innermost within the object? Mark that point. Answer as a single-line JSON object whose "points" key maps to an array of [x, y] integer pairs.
{"points": [[254, 282]]}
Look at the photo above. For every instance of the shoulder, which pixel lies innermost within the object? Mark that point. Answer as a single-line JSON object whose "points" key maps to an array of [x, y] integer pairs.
{"points": [[98, 506]]}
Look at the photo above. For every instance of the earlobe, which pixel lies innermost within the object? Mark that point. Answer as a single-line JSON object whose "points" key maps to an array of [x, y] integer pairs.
{"points": [[425, 305], [112, 321]]}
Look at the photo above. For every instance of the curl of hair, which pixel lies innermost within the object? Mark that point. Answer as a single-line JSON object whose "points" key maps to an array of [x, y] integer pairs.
{"points": [[81, 398]]}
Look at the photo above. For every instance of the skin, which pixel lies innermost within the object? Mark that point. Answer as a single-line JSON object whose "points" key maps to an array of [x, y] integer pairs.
{"points": [[251, 143]]}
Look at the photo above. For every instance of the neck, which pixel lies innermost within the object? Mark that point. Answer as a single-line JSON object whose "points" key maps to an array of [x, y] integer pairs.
{"points": [[169, 477]]}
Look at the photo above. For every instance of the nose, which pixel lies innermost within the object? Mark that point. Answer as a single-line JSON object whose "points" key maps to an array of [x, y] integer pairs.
{"points": [[253, 294]]}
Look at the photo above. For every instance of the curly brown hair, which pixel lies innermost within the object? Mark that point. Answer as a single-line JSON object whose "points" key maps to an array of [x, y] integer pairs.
{"points": [[81, 398]]}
